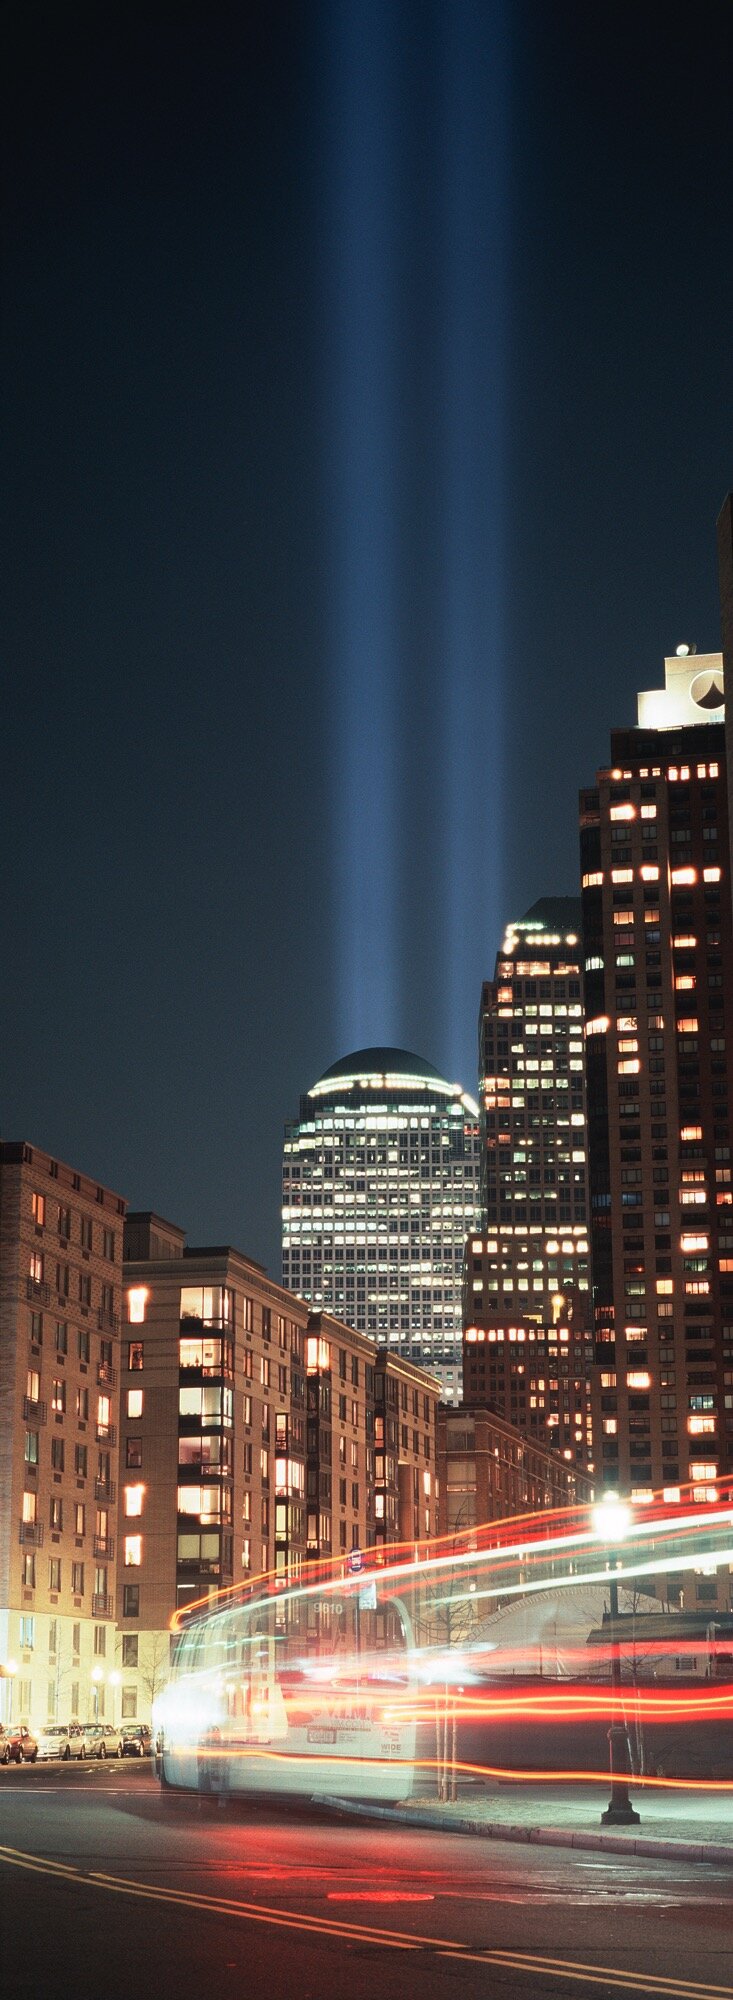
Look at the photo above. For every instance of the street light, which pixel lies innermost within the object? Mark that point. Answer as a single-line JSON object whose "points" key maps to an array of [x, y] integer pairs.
{"points": [[611, 1521], [8, 1673], [114, 1681], [97, 1676]]}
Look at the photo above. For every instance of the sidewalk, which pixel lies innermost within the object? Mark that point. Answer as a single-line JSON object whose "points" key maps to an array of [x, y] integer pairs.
{"points": [[692, 1826]]}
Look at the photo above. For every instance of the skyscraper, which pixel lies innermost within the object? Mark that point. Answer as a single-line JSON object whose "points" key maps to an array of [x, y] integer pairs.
{"points": [[534, 1244], [658, 951], [380, 1190]]}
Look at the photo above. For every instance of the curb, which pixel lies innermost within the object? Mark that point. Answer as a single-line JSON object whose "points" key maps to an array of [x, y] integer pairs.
{"points": [[541, 1836]]}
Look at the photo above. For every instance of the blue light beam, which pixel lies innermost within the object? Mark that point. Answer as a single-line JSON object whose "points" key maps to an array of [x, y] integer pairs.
{"points": [[475, 303], [359, 311]]}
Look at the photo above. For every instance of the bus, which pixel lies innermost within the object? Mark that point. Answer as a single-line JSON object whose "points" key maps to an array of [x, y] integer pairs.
{"points": [[307, 1690]]}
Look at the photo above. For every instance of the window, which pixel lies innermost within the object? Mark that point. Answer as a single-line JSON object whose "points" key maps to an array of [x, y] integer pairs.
{"points": [[129, 1704], [28, 1570], [33, 1386], [137, 1299], [30, 1451], [134, 1453], [56, 1513], [108, 1244], [130, 1644], [83, 1343], [80, 1461], [29, 1508], [37, 1328], [86, 1232], [28, 1632], [135, 1354], [35, 1267], [62, 1337], [57, 1454], [80, 1517], [85, 1289], [77, 1579], [82, 1405], [133, 1500], [54, 1583], [100, 1631], [58, 1396], [38, 1208], [131, 1600], [134, 1402], [133, 1551]]}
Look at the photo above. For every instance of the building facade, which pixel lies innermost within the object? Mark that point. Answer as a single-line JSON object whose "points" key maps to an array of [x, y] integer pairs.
{"points": [[251, 1431], [60, 1291], [534, 1239], [213, 1437], [487, 1469], [538, 1376], [658, 958], [380, 1190]]}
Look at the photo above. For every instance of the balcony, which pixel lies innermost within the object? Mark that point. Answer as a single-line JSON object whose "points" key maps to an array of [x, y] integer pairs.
{"points": [[107, 1321], [34, 1413], [104, 1545], [105, 1433], [105, 1489], [101, 1606], [106, 1375], [31, 1533], [36, 1289]]}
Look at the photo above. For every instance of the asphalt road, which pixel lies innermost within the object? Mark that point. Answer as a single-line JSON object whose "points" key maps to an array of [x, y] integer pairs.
{"points": [[110, 1889]]}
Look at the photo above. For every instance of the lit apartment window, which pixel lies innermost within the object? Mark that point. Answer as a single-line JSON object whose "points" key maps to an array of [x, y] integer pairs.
{"points": [[38, 1207], [137, 1299], [134, 1500], [133, 1551], [134, 1402]]}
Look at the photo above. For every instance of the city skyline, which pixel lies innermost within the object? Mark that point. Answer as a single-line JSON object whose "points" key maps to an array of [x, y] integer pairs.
{"points": [[191, 772]]}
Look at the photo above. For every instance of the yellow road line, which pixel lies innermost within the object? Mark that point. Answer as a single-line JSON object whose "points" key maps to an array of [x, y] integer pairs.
{"points": [[511, 1960]]}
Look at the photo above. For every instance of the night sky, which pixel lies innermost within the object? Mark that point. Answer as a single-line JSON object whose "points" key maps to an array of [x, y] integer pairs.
{"points": [[367, 409]]}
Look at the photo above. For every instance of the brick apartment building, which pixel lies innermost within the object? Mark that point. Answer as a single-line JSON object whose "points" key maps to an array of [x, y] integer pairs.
{"points": [[254, 1436], [60, 1290]]}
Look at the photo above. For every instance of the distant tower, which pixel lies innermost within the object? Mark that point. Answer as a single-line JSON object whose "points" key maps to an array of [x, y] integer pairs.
{"points": [[380, 1191], [535, 1239]]}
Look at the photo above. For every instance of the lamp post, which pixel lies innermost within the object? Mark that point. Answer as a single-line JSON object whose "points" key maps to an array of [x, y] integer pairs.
{"points": [[8, 1673], [611, 1521], [97, 1678], [114, 1681]]}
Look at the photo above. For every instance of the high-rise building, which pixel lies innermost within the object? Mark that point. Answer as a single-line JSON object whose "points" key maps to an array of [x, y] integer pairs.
{"points": [[658, 958], [60, 1273], [533, 1244], [380, 1190]]}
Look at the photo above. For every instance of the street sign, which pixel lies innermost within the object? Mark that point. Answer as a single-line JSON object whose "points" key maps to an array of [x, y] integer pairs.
{"points": [[355, 1561]]}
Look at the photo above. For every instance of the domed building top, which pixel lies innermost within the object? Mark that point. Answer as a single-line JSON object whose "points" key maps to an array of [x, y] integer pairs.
{"points": [[390, 1070], [380, 1062]]}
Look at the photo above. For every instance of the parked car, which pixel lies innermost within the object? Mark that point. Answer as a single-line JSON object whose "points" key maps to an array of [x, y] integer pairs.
{"points": [[61, 1739], [104, 1740], [136, 1739], [17, 1745]]}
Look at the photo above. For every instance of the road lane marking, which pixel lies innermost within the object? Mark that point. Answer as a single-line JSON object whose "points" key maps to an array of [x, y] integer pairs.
{"points": [[502, 1958]]}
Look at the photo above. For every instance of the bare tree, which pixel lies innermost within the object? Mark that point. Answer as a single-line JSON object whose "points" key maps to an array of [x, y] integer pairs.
{"points": [[155, 1666]]}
